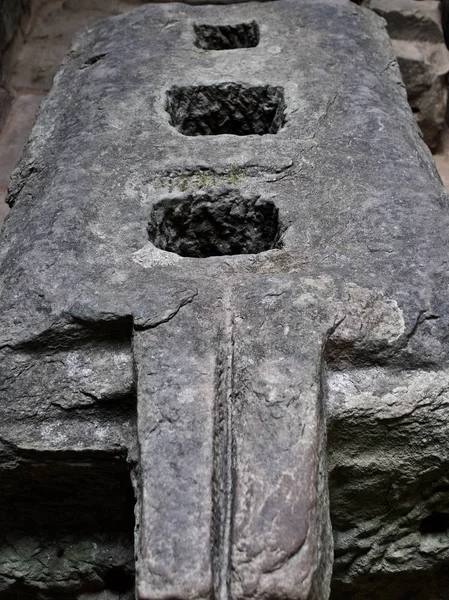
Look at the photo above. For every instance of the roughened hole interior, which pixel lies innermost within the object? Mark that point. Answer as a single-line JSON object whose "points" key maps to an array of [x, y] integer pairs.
{"points": [[226, 108], [227, 37], [215, 224]]}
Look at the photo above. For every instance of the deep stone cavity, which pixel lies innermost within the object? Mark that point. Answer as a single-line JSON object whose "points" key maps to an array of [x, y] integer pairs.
{"points": [[435, 523], [226, 108], [93, 60], [215, 224], [119, 579], [227, 37]]}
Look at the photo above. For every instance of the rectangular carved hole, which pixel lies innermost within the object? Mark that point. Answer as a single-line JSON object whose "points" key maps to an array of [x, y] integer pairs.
{"points": [[227, 37], [226, 108], [67, 529], [215, 224]]}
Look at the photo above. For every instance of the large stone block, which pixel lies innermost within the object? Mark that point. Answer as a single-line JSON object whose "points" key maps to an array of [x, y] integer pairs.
{"points": [[226, 237]]}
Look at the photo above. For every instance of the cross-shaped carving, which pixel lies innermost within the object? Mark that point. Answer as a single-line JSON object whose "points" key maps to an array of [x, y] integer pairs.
{"points": [[228, 243]]}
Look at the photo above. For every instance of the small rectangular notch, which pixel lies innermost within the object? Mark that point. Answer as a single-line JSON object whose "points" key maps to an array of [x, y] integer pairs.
{"points": [[227, 37], [226, 108]]}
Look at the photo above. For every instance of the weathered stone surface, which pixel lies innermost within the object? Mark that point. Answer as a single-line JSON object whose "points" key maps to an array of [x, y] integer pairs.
{"points": [[300, 237], [424, 68], [415, 27], [268, 519], [389, 482], [412, 20]]}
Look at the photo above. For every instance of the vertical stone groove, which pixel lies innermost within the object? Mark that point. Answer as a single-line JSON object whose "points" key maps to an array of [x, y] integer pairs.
{"points": [[223, 471]]}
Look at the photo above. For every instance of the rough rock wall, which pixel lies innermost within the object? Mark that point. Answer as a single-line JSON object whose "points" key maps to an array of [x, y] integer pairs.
{"points": [[11, 13], [415, 27], [227, 238]]}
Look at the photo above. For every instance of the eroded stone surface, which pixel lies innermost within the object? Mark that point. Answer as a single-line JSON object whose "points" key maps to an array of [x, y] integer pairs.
{"points": [[415, 27], [206, 381]]}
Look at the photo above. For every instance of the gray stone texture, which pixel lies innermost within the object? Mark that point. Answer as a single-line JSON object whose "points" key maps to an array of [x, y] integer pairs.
{"points": [[415, 27], [307, 293]]}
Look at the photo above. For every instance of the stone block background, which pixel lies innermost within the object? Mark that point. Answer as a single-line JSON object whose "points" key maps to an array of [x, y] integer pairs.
{"points": [[423, 60], [35, 36], [11, 15]]}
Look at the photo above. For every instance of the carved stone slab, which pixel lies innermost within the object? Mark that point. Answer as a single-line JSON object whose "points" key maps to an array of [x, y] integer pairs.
{"points": [[224, 219]]}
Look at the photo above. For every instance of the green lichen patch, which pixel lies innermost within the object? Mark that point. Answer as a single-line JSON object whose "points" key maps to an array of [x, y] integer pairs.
{"points": [[198, 179]]}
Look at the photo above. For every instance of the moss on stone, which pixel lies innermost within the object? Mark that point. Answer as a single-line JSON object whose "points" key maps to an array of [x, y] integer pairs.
{"points": [[198, 179]]}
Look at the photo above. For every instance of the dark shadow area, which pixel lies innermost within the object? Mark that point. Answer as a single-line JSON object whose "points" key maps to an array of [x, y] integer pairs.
{"points": [[85, 493], [402, 585], [84, 329], [227, 108], [227, 37], [215, 224], [444, 8], [435, 523], [119, 580], [93, 60], [66, 527]]}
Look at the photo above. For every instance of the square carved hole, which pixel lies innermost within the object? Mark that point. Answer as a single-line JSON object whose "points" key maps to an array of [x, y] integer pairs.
{"points": [[215, 223], [226, 108], [227, 37]]}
